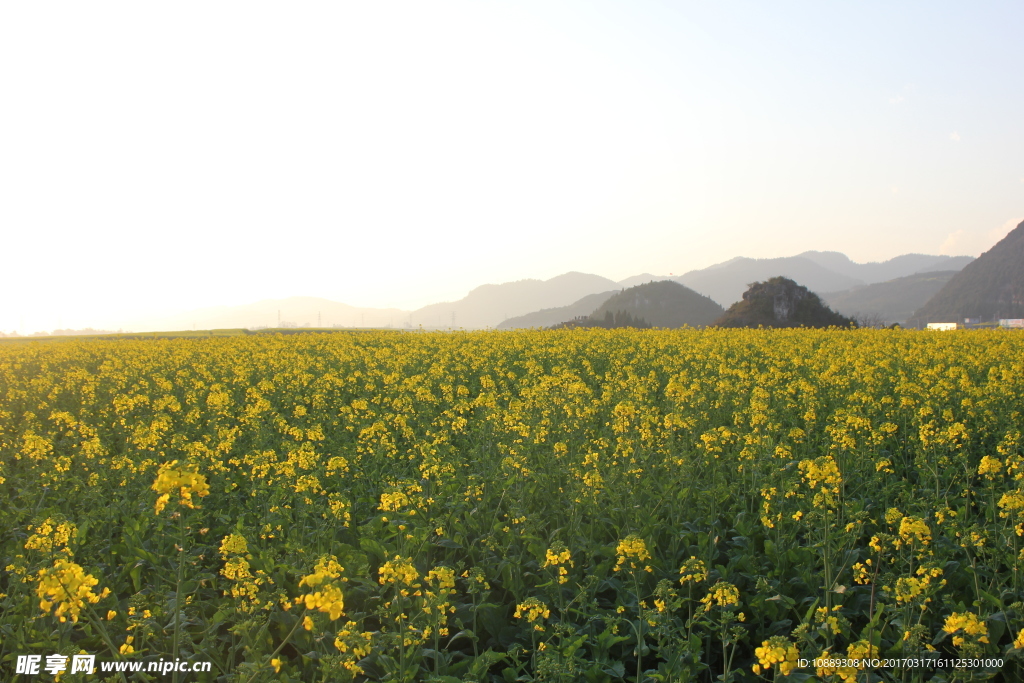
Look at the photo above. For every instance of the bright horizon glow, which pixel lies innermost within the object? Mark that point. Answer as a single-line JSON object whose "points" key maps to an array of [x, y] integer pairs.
{"points": [[159, 158]]}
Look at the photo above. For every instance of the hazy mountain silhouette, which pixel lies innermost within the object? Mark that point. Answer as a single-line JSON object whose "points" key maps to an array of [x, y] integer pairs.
{"points": [[896, 267], [552, 316], [539, 303], [820, 271], [726, 282], [890, 302], [660, 304], [990, 287], [641, 279], [780, 302], [489, 305]]}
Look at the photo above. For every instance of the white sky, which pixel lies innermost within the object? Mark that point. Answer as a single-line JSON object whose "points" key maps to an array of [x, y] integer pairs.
{"points": [[157, 157]]}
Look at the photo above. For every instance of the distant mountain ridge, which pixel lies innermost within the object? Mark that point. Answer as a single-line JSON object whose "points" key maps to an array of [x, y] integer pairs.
{"points": [[896, 267], [547, 317], [889, 302], [489, 305], [726, 282], [541, 303], [819, 271]]}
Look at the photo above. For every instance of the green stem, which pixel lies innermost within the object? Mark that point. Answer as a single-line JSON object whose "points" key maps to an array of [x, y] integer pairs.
{"points": [[281, 646], [96, 621], [177, 591], [640, 631]]}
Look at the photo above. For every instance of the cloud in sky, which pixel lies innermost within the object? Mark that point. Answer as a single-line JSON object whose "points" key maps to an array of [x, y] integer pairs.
{"points": [[953, 243], [954, 136], [974, 242], [903, 95]]}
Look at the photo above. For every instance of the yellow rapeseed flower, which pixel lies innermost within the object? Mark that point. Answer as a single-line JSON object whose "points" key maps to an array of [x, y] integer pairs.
{"points": [[184, 481], [966, 623], [777, 650], [631, 549], [67, 587]]}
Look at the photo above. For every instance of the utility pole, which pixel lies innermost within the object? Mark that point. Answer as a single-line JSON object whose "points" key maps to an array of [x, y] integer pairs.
{"points": [[318, 318]]}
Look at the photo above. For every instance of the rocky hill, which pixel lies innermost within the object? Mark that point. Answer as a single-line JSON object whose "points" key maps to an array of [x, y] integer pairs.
{"points": [[780, 302]]}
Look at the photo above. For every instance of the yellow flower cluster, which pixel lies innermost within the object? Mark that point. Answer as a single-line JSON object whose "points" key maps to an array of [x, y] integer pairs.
{"points": [[51, 536], [399, 571], [777, 650], [559, 556], [862, 572], [233, 544], [443, 579], [969, 624], [67, 586], [435, 601], [914, 529], [908, 588], [632, 549], [989, 467], [860, 651], [1018, 642], [1011, 503], [476, 579], [533, 610], [822, 476], [184, 481], [722, 594], [328, 597], [692, 570], [354, 645], [234, 551], [831, 621], [393, 502]]}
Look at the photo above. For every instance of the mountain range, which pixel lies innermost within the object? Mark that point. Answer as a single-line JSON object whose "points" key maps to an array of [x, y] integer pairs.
{"points": [[889, 302], [540, 303]]}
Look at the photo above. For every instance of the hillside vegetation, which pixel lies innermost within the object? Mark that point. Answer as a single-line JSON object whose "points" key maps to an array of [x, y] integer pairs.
{"points": [[780, 302], [890, 302], [665, 304]]}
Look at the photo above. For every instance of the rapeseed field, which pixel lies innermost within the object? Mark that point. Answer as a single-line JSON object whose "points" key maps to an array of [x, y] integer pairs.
{"points": [[577, 505]]}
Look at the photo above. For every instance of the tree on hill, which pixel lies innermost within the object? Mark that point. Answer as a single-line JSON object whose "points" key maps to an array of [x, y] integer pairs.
{"points": [[610, 320], [780, 302]]}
